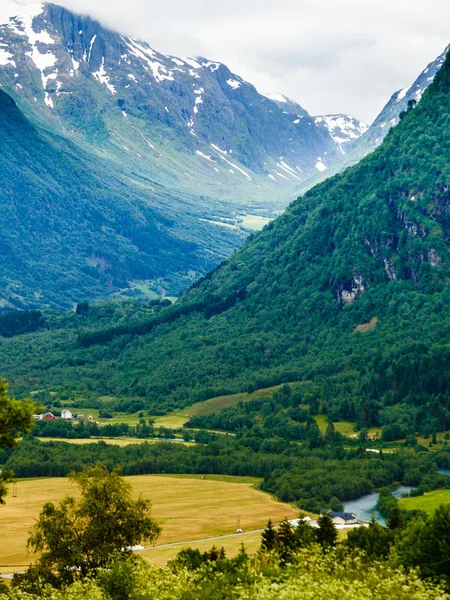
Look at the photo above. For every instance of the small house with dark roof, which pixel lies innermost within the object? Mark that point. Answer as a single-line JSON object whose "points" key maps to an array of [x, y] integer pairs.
{"points": [[343, 518]]}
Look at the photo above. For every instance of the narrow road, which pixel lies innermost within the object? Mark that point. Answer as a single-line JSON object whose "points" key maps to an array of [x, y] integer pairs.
{"points": [[211, 539]]}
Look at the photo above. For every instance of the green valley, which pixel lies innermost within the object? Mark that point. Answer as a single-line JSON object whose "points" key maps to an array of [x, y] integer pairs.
{"points": [[289, 305]]}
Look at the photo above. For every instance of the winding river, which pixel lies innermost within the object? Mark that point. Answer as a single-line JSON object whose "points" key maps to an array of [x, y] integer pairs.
{"points": [[366, 505]]}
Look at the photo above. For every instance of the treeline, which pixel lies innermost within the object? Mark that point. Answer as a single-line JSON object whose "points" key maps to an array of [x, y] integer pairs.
{"points": [[18, 322], [324, 571], [210, 306], [314, 479], [85, 430]]}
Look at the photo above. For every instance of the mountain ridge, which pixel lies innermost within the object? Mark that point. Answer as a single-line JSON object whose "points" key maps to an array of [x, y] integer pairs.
{"points": [[389, 117], [76, 49]]}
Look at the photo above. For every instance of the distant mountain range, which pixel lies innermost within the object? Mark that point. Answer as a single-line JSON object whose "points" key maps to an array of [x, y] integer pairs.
{"points": [[186, 117], [192, 153]]}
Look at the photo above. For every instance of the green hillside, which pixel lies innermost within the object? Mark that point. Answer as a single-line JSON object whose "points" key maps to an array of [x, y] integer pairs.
{"points": [[369, 246], [73, 228]]}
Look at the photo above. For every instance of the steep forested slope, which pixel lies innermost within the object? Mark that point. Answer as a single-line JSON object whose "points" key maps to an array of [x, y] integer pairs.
{"points": [[72, 229], [348, 292]]}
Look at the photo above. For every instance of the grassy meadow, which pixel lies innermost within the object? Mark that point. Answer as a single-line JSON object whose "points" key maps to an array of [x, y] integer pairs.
{"points": [[428, 502], [176, 419], [188, 508]]}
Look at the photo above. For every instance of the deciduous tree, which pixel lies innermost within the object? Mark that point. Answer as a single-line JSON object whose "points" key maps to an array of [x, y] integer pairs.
{"points": [[81, 535]]}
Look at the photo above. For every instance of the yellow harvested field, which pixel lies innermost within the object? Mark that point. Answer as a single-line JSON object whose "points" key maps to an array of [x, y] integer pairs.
{"points": [[188, 508]]}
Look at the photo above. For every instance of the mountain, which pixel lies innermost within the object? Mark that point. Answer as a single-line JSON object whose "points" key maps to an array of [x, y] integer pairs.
{"points": [[159, 166], [72, 228], [343, 129], [347, 293], [173, 118], [390, 115], [367, 139]]}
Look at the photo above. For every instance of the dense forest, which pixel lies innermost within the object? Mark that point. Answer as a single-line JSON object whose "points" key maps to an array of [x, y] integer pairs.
{"points": [[321, 476]]}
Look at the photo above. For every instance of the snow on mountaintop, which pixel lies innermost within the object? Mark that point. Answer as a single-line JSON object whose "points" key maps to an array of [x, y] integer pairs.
{"points": [[19, 19], [48, 57], [390, 115], [276, 97], [342, 128], [10, 9]]}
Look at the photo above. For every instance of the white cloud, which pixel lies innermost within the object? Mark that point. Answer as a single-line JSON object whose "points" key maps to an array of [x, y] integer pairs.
{"points": [[330, 56]]}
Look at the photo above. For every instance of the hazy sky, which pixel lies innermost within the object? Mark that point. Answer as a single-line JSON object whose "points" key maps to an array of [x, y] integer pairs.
{"points": [[328, 55]]}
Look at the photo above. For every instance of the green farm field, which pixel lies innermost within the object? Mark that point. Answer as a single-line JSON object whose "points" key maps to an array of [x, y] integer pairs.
{"points": [[189, 508], [428, 502], [177, 419]]}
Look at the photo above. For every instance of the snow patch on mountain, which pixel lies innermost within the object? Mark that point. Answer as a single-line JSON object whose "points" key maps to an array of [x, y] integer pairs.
{"points": [[19, 19], [102, 77], [401, 94], [276, 97], [320, 166], [146, 54], [342, 128], [233, 83]]}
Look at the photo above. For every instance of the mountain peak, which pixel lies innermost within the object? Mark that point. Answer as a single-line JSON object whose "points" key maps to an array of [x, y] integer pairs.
{"points": [[342, 128]]}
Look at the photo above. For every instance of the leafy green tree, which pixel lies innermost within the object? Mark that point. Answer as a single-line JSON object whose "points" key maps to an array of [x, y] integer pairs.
{"points": [[396, 520], [82, 308], [79, 536], [329, 433], [426, 545], [375, 540], [363, 438], [336, 504], [16, 418], [326, 533]]}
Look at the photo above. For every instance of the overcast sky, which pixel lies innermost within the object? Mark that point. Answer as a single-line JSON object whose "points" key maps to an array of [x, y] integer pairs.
{"points": [[329, 55]]}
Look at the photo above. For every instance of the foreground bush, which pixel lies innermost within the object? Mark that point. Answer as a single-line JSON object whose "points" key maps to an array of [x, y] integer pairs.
{"points": [[311, 576]]}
